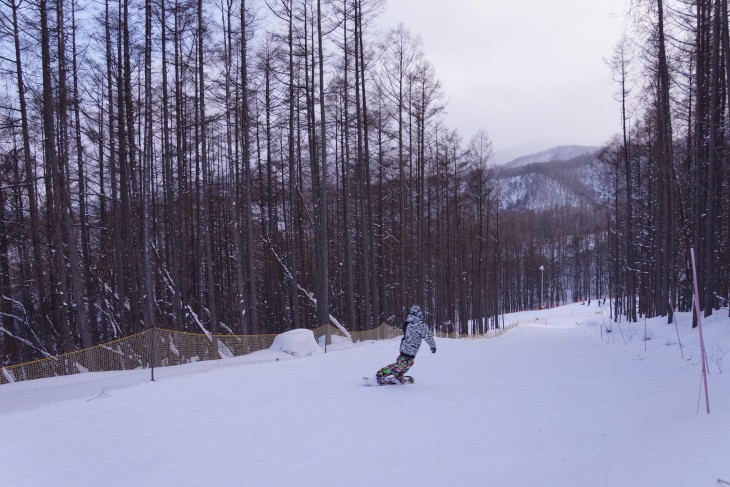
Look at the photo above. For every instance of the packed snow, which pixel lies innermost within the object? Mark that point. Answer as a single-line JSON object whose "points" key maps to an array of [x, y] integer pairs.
{"points": [[567, 398], [298, 343]]}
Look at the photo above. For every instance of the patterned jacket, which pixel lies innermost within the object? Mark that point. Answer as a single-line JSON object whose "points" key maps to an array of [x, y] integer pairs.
{"points": [[415, 330]]}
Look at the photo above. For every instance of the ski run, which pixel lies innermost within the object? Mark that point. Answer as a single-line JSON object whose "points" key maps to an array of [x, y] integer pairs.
{"points": [[566, 399]]}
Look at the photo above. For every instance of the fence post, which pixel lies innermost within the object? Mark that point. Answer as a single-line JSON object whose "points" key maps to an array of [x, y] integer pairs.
{"points": [[327, 335], [153, 351]]}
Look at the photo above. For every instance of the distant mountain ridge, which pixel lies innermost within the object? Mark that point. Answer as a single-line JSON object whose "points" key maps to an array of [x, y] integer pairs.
{"points": [[559, 153], [564, 176]]}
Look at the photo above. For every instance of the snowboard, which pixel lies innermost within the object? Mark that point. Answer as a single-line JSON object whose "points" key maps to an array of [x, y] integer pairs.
{"points": [[372, 381]]}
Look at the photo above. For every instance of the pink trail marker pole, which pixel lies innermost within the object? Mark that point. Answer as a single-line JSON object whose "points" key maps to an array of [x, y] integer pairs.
{"points": [[699, 324]]}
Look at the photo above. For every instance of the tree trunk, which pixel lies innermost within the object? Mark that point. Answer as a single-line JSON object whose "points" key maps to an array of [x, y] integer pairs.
{"points": [[346, 203], [712, 164], [60, 297], [293, 188], [205, 203], [362, 176], [248, 186], [149, 301], [369, 222], [41, 275], [239, 305], [323, 259]]}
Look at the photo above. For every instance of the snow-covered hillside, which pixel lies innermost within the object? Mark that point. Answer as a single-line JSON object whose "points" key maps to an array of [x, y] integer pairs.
{"points": [[559, 401], [559, 153], [549, 185], [536, 191]]}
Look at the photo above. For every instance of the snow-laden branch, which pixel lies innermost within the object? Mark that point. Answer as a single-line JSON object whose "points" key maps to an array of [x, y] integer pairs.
{"points": [[171, 287], [21, 339], [24, 321], [308, 294]]}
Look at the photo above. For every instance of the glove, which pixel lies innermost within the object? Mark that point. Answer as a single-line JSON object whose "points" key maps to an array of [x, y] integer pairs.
{"points": [[433, 349]]}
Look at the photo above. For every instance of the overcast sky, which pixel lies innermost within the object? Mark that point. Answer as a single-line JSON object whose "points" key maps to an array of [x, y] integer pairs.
{"points": [[528, 72]]}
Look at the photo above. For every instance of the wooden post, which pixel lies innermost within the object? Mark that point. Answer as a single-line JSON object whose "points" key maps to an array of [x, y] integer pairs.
{"points": [[676, 327]]}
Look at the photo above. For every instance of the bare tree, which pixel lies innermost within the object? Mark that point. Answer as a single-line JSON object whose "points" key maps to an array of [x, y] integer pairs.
{"points": [[400, 53]]}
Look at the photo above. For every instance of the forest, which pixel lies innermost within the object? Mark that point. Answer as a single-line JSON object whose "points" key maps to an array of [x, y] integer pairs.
{"points": [[252, 167]]}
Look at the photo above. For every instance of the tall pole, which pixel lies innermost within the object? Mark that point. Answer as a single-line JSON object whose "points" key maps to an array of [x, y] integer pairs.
{"points": [[699, 324], [542, 281]]}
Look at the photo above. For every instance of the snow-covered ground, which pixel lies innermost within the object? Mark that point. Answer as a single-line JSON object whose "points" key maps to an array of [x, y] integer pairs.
{"points": [[557, 402]]}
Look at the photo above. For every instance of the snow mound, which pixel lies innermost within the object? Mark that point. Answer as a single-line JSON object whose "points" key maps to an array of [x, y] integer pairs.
{"points": [[299, 343]]}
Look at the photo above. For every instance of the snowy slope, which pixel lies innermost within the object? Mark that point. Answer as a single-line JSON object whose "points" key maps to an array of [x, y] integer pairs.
{"points": [[549, 185], [559, 153], [557, 404]]}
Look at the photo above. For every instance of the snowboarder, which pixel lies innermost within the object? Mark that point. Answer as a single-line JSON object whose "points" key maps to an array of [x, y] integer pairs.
{"points": [[414, 330]]}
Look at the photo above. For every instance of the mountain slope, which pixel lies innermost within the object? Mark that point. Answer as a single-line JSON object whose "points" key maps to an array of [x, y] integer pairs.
{"points": [[559, 153], [550, 184]]}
